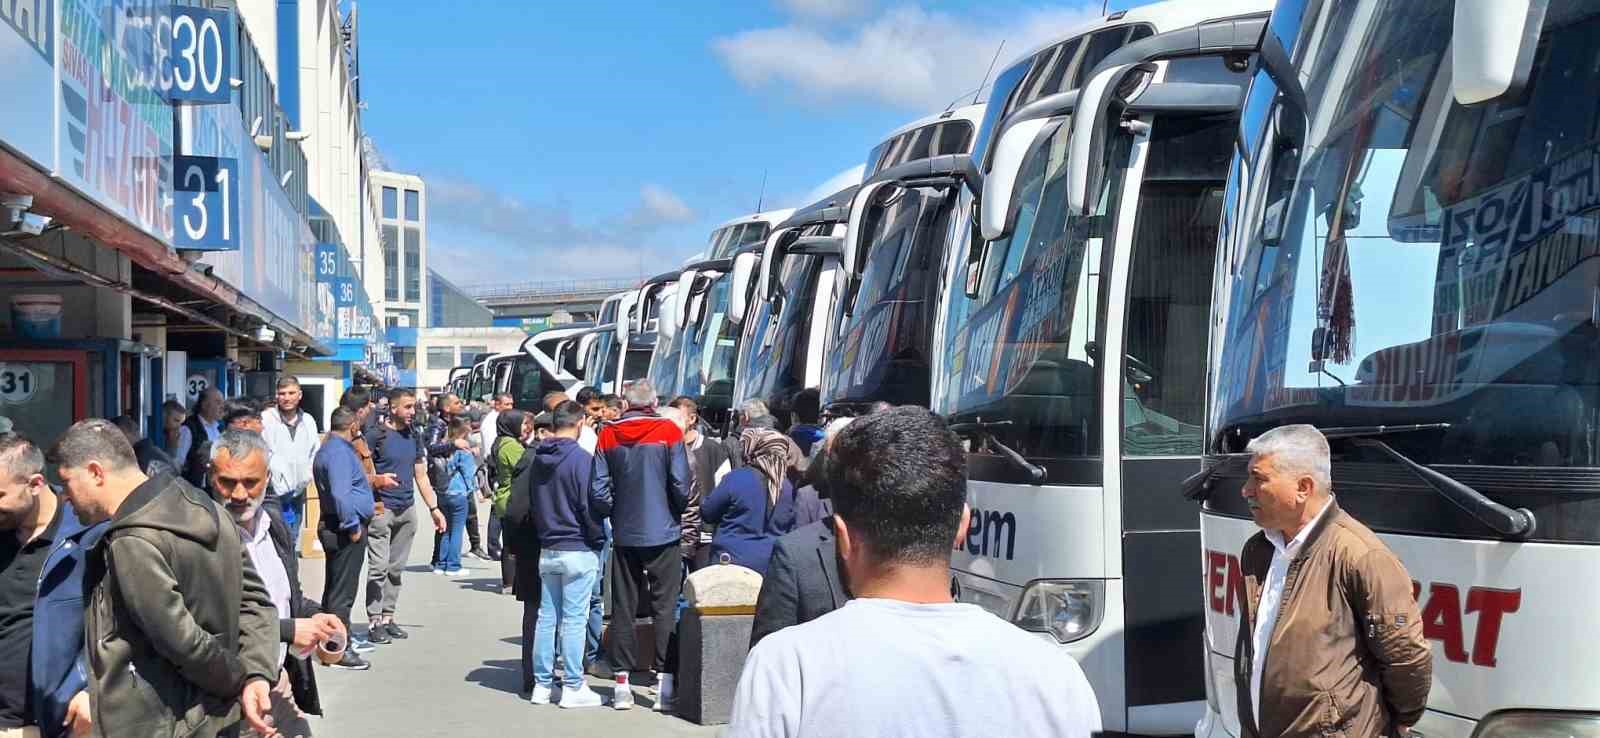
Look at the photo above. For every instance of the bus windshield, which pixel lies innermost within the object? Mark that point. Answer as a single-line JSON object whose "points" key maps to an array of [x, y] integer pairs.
{"points": [[1023, 350], [664, 374], [1402, 259], [529, 383], [709, 343], [727, 241], [602, 364], [776, 346], [880, 351]]}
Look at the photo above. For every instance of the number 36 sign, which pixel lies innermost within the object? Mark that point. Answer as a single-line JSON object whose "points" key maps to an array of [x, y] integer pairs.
{"points": [[207, 207]]}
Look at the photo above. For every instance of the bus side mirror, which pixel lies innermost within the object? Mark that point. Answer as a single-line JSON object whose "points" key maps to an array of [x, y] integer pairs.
{"points": [[585, 345], [666, 312], [855, 229], [996, 211], [977, 253], [680, 311], [1090, 132], [770, 263], [624, 320], [1492, 47], [744, 266]]}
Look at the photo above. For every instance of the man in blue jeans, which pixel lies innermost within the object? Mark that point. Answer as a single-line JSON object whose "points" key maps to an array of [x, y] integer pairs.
{"points": [[570, 537]]}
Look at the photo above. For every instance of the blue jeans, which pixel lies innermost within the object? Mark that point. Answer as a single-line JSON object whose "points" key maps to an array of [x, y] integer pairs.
{"points": [[565, 580], [594, 649], [294, 516], [454, 507]]}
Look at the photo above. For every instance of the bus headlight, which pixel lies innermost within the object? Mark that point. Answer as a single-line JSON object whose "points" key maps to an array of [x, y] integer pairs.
{"points": [[1530, 724], [1068, 609]]}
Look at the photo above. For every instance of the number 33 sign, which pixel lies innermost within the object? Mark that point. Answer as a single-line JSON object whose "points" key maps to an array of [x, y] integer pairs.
{"points": [[17, 383]]}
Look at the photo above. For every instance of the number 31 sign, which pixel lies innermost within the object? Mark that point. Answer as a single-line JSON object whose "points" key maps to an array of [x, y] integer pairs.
{"points": [[207, 208]]}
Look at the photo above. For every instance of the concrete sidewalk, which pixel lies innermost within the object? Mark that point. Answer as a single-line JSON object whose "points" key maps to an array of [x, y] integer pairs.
{"points": [[458, 674]]}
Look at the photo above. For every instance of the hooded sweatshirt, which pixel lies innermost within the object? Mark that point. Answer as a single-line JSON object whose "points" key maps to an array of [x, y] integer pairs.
{"points": [[177, 618], [561, 513]]}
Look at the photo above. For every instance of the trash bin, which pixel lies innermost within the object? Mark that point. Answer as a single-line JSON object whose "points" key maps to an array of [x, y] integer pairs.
{"points": [[713, 638]]}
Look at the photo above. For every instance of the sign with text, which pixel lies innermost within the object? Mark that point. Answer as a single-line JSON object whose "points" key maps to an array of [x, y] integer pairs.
{"points": [[115, 124], [344, 292], [207, 192], [327, 261], [27, 46], [199, 55]]}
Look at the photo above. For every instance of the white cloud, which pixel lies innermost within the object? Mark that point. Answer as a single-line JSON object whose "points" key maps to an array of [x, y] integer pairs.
{"points": [[659, 203], [480, 235], [904, 56], [851, 176], [830, 10]]}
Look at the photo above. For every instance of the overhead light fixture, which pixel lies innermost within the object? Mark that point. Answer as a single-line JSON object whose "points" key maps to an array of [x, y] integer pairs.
{"points": [[255, 127], [265, 334], [235, 82], [297, 135], [264, 142], [286, 177]]}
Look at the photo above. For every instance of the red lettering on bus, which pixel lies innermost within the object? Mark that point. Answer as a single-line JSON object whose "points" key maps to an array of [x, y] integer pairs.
{"points": [[1491, 606], [1441, 620]]}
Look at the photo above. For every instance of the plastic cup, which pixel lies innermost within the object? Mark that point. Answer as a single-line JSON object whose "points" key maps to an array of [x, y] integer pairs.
{"points": [[332, 650]]}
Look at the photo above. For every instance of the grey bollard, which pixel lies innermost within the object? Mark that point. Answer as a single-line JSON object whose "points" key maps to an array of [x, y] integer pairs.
{"points": [[712, 640]]}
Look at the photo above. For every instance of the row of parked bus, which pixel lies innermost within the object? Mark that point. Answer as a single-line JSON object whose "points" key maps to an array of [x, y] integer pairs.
{"points": [[1161, 236]]}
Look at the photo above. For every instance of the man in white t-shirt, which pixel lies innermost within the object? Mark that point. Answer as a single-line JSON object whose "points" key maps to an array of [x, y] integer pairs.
{"points": [[902, 659]]}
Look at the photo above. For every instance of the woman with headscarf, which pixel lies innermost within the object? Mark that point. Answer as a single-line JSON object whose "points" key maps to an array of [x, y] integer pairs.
{"points": [[510, 435], [753, 505]]}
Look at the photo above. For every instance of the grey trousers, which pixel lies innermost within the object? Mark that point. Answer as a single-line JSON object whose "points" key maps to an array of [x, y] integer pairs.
{"points": [[388, 549]]}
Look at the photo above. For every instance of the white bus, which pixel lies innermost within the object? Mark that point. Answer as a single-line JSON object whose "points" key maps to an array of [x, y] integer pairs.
{"points": [[708, 335], [1070, 332], [615, 358], [903, 222], [655, 311], [785, 322], [1408, 262]]}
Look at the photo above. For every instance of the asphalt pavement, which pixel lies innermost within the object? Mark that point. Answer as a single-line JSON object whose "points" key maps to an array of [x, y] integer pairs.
{"points": [[458, 674]]}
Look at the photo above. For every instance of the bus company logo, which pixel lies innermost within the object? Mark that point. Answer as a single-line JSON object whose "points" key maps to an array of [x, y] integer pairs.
{"points": [[1443, 609], [991, 533]]}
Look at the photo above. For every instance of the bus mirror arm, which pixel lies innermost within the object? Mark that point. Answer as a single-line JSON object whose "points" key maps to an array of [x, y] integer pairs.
{"points": [[1512, 523], [985, 431]]}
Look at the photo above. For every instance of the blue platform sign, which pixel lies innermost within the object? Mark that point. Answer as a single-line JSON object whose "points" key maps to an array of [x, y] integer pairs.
{"points": [[344, 292], [201, 56], [207, 200], [328, 259]]}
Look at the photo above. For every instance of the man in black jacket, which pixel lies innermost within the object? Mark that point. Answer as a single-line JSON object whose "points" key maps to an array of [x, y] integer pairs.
{"points": [[239, 472], [178, 623]]}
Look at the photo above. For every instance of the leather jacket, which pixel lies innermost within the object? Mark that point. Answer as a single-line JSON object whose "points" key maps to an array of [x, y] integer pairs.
{"points": [[1347, 656]]}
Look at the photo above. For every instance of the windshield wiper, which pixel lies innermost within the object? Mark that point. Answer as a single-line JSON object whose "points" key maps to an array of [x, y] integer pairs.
{"points": [[1508, 522], [1516, 523], [985, 430], [1198, 485]]}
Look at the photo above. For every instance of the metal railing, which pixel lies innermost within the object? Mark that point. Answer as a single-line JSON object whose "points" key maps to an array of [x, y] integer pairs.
{"points": [[534, 290]]}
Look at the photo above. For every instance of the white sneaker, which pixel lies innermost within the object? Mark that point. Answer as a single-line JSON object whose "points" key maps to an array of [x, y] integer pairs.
{"points": [[664, 701], [541, 695], [622, 697], [437, 570], [580, 697], [458, 573]]}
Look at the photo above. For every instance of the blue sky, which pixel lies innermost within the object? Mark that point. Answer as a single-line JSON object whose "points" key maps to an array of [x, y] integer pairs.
{"points": [[571, 140]]}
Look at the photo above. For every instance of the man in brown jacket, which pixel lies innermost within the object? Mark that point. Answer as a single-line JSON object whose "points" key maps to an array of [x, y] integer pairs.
{"points": [[1331, 639]]}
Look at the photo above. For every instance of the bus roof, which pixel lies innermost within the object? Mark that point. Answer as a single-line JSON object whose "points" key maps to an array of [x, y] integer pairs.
{"points": [[770, 217], [971, 113], [1162, 16]]}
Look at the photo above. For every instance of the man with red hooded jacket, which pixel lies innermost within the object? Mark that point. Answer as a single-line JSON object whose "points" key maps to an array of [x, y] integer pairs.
{"points": [[641, 480]]}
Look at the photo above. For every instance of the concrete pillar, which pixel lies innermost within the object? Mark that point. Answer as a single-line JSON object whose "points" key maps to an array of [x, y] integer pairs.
{"points": [[712, 640]]}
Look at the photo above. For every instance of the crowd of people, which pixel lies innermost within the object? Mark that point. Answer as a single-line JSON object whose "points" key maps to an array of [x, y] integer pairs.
{"points": [[158, 591]]}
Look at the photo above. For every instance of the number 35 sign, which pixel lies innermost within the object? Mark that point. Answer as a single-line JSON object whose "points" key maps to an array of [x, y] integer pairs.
{"points": [[207, 208]]}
